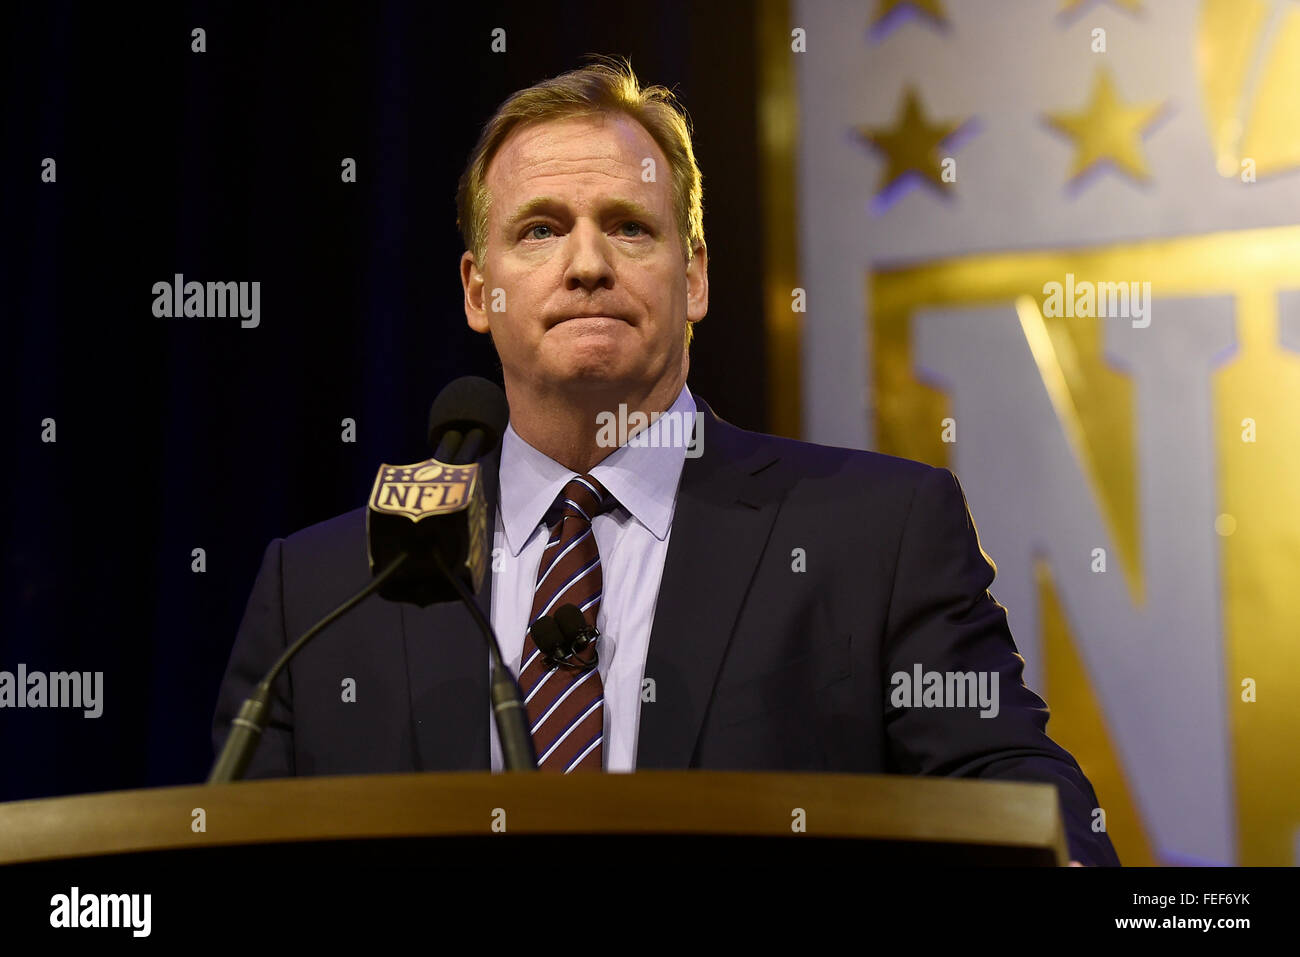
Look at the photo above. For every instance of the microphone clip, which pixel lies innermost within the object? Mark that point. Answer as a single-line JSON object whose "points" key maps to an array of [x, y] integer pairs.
{"points": [[567, 640]]}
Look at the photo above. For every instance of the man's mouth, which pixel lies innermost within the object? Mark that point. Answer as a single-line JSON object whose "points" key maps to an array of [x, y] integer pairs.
{"points": [[589, 316]]}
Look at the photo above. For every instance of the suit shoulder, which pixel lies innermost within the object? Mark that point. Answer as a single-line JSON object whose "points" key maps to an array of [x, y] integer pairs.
{"points": [[813, 459], [327, 560], [890, 467], [344, 530]]}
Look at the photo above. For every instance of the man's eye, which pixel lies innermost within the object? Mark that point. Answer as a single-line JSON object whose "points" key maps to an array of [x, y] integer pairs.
{"points": [[641, 230], [534, 228]]}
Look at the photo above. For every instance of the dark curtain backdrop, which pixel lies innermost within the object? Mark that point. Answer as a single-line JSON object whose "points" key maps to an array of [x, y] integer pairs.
{"points": [[176, 434]]}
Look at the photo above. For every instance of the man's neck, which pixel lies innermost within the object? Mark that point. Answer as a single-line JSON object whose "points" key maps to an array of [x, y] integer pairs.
{"points": [[568, 428]]}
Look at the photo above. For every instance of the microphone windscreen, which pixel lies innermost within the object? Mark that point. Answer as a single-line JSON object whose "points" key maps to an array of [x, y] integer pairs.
{"points": [[570, 620], [546, 635], [470, 402]]}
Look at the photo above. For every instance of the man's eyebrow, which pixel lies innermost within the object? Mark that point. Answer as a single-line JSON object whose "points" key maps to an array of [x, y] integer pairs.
{"points": [[548, 204], [539, 204]]}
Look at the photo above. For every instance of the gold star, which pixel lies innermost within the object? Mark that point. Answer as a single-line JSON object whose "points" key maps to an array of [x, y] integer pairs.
{"points": [[1132, 6], [911, 145], [1108, 129], [930, 8]]}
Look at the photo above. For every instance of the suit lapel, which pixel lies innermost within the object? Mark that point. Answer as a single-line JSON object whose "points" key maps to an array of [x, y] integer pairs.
{"points": [[447, 667], [726, 504]]}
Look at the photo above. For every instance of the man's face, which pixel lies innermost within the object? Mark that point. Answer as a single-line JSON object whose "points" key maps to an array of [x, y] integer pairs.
{"points": [[585, 286]]}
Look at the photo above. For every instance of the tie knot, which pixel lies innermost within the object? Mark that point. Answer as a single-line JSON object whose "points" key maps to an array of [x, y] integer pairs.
{"points": [[585, 497]]}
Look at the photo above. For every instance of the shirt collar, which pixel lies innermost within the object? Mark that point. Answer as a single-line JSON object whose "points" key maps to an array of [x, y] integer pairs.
{"points": [[642, 476]]}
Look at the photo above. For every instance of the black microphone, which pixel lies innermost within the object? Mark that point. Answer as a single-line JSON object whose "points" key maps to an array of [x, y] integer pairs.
{"points": [[467, 420], [436, 511], [431, 518], [562, 639], [547, 638], [577, 633]]}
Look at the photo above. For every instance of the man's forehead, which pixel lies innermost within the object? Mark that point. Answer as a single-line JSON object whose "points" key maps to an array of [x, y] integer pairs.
{"points": [[600, 143]]}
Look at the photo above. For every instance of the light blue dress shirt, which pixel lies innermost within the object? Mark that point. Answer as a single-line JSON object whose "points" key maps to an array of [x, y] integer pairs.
{"points": [[633, 542]]}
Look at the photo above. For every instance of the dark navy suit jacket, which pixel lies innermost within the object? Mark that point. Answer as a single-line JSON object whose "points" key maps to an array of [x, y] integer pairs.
{"points": [[757, 665]]}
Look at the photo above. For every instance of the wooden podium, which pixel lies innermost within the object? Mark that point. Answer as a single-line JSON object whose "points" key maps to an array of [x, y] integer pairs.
{"points": [[400, 818]]}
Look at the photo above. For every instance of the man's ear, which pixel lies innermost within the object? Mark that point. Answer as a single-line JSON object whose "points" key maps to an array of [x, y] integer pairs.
{"points": [[697, 284], [471, 279]]}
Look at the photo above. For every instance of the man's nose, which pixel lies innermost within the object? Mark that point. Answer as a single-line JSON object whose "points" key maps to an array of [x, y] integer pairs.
{"points": [[589, 263]]}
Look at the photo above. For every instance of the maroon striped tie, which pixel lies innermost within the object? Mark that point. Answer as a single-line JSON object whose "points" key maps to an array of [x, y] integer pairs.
{"points": [[566, 706]]}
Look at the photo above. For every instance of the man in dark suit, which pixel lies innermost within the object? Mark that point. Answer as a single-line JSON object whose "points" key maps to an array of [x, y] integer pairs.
{"points": [[764, 604]]}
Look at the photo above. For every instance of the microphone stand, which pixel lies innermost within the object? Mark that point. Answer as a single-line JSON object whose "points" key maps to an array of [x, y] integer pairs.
{"points": [[513, 729], [517, 752]]}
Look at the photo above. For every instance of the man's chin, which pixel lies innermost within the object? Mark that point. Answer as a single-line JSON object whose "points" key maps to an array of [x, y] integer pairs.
{"points": [[591, 365], [594, 379], [588, 378]]}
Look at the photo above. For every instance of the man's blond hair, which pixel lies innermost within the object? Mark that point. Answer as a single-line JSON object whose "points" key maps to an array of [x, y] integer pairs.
{"points": [[605, 86]]}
